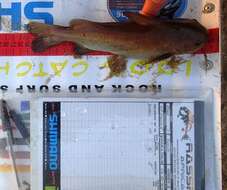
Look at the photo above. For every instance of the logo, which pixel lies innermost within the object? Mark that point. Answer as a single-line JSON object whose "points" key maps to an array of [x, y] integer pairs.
{"points": [[172, 9], [188, 118], [50, 187], [53, 142], [30, 10], [51, 146], [189, 166]]}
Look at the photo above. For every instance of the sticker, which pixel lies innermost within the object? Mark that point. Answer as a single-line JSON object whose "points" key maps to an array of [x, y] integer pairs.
{"points": [[173, 8], [51, 146], [104, 143]]}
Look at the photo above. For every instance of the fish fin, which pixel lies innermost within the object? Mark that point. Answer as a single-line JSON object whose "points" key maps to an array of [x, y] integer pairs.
{"points": [[46, 35], [38, 28], [42, 29], [141, 19], [80, 50], [75, 22], [160, 58], [40, 44], [117, 65]]}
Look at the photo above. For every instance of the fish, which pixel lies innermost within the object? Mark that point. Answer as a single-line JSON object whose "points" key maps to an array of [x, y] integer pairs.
{"points": [[141, 37], [188, 118], [189, 126]]}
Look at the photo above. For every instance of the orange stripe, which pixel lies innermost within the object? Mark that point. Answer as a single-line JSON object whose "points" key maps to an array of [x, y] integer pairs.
{"points": [[152, 7], [9, 168]]}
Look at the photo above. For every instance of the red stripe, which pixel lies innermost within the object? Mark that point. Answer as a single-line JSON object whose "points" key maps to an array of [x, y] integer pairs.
{"points": [[213, 43], [19, 44]]}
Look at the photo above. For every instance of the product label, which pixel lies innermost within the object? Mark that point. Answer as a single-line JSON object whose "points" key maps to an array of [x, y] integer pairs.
{"points": [[125, 144], [172, 8], [51, 146]]}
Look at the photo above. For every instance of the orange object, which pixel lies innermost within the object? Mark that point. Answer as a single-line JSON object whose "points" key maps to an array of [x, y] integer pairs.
{"points": [[20, 168], [152, 7]]}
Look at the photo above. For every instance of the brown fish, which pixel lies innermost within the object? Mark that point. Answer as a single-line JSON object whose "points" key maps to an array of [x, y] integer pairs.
{"points": [[142, 37]]}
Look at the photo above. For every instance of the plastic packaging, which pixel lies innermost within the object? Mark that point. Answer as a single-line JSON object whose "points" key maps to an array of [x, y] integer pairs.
{"points": [[119, 141], [68, 124]]}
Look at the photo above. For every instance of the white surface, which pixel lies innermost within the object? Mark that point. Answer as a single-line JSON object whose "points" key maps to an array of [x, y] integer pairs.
{"points": [[96, 10]]}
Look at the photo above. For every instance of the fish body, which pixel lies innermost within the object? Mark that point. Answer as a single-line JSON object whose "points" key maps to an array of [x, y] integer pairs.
{"points": [[141, 37]]}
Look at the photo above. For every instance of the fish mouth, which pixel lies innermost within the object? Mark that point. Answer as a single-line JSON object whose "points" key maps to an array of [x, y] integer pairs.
{"points": [[202, 39], [202, 36]]}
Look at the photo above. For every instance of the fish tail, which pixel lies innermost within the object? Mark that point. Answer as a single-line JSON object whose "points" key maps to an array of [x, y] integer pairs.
{"points": [[46, 35], [39, 28]]}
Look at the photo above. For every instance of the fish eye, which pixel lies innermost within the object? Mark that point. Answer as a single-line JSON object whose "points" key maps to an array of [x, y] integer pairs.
{"points": [[198, 43]]}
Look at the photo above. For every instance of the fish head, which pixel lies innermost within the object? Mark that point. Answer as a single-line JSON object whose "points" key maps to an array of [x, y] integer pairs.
{"points": [[197, 36], [200, 37], [188, 36]]}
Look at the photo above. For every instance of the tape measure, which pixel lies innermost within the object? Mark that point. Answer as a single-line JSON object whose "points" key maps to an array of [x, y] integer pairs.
{"points": [[19, 44]]}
